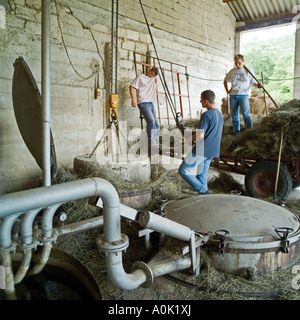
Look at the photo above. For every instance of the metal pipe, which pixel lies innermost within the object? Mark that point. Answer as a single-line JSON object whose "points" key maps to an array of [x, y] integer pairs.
{"points": [[125, 211], [6, 262], [113, 242], [168, 266], [38, 267], [119, 277], [27, 226], [6, 247], [47, 220], [48, 196], [5, 230], [47, 238], [24, 266], [79, 226], [26, 244], [46, 91], [24, 201], [163, 225]]}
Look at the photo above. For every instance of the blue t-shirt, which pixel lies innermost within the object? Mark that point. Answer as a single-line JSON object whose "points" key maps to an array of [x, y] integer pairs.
{"points": [[212, 125]]}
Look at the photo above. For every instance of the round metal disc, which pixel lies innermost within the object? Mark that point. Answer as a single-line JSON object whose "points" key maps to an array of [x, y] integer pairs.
{"points": [[246, 219], [28, 112]]}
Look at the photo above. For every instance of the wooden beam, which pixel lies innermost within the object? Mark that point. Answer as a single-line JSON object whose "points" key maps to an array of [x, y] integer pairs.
{"points": [[266, 22]]}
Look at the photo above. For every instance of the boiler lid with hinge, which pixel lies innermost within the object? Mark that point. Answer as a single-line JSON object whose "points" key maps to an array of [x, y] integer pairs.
{"points": [[27, 103], [246, 219]]}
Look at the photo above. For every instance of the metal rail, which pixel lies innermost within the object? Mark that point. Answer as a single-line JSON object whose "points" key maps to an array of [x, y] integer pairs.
{"points": [[241, 163], [175, 78]]}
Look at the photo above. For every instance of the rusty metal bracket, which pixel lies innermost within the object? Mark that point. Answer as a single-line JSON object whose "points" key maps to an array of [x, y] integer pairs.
{"points": [[283, 233], [221, 234]]}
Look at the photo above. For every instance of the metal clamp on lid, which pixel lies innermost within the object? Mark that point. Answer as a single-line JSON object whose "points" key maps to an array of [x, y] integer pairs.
{"points": [[283, 233], [221, 234]]}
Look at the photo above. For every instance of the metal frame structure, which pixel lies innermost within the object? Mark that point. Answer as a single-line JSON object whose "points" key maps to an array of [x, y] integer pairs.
{"points": [[240, 164], [176, 78]]}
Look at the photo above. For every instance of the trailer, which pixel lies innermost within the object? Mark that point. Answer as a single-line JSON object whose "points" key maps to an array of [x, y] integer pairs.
{"points": [[260, 173]]}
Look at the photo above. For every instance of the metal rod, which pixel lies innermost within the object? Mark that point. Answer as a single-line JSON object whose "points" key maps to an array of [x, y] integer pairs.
{"points": [[160, 224], [46, 91], [80, 226]]}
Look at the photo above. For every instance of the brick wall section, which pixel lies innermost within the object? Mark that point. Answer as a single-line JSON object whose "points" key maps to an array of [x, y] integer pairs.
{"points": [[198, 34]]}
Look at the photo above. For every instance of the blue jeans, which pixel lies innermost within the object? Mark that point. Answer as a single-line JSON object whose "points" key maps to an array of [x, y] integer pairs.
{"points": [[148, 112], [198, 182], [243, 102]]}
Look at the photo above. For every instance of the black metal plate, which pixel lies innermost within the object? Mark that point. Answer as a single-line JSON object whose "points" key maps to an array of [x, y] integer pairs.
{"points": [[27, 104]]}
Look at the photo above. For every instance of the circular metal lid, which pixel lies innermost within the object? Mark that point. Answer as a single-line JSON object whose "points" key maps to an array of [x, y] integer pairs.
{"points": [[28, 112], [246, 219]]}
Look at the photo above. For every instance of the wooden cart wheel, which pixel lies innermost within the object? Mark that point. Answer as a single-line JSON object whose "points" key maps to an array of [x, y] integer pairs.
{"points": [[260, 180]]}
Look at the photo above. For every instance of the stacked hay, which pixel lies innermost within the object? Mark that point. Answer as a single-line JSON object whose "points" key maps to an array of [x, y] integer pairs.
{"points": [[264, 139], [257, 102]]}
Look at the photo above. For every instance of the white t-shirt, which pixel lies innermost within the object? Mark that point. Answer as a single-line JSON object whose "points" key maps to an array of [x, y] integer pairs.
{"points": [[241, 81], [146, 88]]}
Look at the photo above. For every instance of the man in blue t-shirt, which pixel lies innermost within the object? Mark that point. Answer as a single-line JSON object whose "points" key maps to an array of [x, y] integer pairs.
{"points": [[207, 145]]}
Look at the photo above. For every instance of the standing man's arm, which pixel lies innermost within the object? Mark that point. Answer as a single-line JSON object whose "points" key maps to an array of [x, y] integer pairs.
{"points": [[194, 136], [258, 85], [226, 87], [133, 97]]}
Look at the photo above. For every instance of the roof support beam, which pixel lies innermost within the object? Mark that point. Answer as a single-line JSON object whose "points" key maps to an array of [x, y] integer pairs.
{"points": [[264, 23]]}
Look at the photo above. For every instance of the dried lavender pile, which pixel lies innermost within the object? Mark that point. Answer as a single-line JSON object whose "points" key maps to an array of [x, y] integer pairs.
{"points": [[264, 139]]}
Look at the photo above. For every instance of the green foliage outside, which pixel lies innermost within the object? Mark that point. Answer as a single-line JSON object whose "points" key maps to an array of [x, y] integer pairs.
{"points": [[275, 58]]}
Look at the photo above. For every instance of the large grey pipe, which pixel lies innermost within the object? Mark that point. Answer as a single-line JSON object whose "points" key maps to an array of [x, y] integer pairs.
{"points": [[29, 200], [6, 246], [46, 91]]}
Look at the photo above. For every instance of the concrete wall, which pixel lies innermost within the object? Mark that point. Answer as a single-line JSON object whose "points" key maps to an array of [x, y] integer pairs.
{"points": [[197, 34]]}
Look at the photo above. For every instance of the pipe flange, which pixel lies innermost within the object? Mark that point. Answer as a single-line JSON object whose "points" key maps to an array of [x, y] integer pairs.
{"points": [[114, 246], [8, 249], [29, 246], [47, 239], [149, 274]]}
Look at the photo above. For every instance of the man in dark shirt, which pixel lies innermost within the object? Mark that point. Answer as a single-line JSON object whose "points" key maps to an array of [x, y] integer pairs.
{"points": [[207, 145]]}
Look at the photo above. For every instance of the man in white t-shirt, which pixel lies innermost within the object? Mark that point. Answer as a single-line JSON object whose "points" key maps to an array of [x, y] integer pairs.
{"points": [[241, 84], [145, 87]]}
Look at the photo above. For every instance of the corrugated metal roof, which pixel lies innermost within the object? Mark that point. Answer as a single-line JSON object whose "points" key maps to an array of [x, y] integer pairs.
{"points": [[251, 11]]}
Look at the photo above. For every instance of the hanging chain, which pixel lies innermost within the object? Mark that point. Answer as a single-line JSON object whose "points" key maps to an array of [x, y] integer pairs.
{"points": [[114, 60], [117, 36], [112, 46]]}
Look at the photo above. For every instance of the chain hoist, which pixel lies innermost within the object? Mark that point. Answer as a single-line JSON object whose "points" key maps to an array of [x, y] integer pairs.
{"points": [[114, 98]]}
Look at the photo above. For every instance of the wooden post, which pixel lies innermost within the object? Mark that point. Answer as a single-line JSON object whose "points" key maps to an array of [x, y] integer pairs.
{"points": [[263, 82]]}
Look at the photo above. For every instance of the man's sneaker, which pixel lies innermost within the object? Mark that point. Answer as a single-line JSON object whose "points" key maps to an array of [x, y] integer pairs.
{"points": [[207, 192]]}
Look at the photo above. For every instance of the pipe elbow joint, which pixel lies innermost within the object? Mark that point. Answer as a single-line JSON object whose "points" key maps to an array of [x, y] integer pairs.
{"points": [[141, 273]]}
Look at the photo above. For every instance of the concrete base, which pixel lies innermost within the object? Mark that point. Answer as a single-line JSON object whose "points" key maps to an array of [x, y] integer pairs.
{"points": [[135, 170]]}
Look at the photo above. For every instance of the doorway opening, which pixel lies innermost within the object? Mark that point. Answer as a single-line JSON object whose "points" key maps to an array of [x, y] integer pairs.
{"points": [[271, 53]]}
